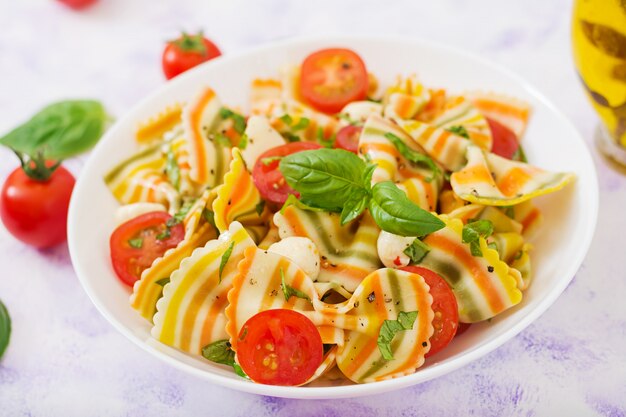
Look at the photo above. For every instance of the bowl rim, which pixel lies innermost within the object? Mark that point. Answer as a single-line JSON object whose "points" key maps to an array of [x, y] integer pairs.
{"points": [[356, 390]]}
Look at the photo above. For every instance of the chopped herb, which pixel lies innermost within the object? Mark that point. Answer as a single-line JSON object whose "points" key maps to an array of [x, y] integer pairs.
{"points": [[346, 117], [520, 155], [416, 251], [374, 100], [509, 211], [136, 243], [292, 200], [290, 137], [286, 119], [303, 123], [321, 139], [492, 245], [270, 159], [172, 170], [225, 258], [239, 122], [389, 329], [239, 371], [166, 233], [459, 131], [260, 208], [162, 282], [413, 156], [222, 140], [243, 142], [289, 291], [209, 216], [473, 231], [180, 214]]}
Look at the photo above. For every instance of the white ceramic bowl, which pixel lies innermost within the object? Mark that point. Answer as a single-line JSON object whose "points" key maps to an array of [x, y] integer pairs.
{"points": [[551, 142]]}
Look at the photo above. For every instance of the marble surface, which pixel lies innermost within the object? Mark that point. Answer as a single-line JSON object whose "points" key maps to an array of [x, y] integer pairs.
{"points": [[66, 360]]}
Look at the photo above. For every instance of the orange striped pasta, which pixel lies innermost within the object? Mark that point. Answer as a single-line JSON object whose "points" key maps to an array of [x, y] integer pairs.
{"points": [[508, 111], [190, 315], [154, 129], [492, 180]]}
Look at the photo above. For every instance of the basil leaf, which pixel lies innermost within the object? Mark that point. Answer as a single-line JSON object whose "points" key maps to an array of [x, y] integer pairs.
{"points": [[390, 328], [473, 231], [325, 178], [222, 140], [225, 258], [239, 122], [413, 156], [459, 131], [222, 352], [289, 291], [354, 206], [136, 243], [60, 130], [162, 282], [292, 200], [417, 251], [5, 328], [172, 170], [219, 352], [395, 213]]}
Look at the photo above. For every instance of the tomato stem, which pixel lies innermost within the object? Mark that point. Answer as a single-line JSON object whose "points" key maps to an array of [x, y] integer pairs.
{"points": [[191, 43], [35, 166]]}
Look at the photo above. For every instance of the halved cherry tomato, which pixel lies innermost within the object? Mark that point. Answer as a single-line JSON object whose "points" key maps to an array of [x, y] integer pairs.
{"points": [[446, 321], [268, 178], [279, 347], [348, 138], [187, 52], [332, 78], [77, 4], [505, 142], [462, 328], [138, 242]]}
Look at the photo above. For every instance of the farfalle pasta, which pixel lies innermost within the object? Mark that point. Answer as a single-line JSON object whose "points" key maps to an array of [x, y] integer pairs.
{"points": [[327, 229]]}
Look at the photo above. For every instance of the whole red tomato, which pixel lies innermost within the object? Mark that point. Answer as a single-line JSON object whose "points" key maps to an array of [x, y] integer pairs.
{"points": [[77, 4], [34, 211], [186, 52]]}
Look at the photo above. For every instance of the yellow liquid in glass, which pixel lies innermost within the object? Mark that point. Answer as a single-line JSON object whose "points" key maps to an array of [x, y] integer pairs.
{"points": [[599, 42]]}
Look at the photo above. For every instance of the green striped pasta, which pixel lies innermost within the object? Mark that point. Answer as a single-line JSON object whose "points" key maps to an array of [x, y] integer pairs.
{"points": [[141, 178], [208, 156], [483, 286], [495, 181], [348, 252], [190, 314]]}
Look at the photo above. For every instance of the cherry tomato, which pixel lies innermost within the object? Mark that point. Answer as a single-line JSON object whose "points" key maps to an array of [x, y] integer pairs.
{"points": [[187, 52], [279, 347], [504, 141], [35, 212], [348, 138], [332, 78], [462, 328], [77, 4], [268, 178], [138, 242], [444, 305]]}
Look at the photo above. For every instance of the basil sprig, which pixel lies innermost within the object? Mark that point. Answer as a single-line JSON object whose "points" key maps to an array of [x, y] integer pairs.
{"points": [[59, 131], [389, 329], [339, 181], [5, 328]]}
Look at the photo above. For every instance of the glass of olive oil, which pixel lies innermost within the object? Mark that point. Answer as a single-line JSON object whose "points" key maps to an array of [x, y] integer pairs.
{"points": [[599, 43]]}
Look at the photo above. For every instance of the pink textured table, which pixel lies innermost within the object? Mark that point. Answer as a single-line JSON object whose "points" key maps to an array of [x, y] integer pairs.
{"points": [[65, 360]]}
